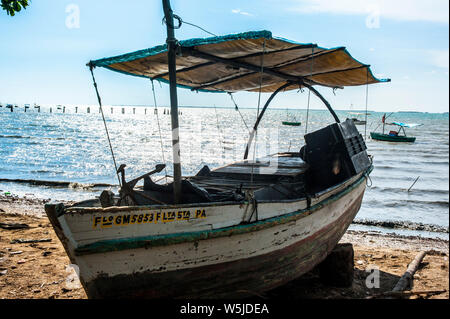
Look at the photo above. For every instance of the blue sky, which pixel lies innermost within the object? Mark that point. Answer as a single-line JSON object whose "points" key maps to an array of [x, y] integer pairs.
{"points": [[43, 49]]}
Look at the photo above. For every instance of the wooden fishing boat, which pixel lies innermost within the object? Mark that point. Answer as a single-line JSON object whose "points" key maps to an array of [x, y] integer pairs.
{"points": [[235, 230], [356, 120], [394, 136], [291, 123]]}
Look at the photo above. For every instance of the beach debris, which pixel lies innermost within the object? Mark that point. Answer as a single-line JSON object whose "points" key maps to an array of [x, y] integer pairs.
{"points": [[29, 241], [402, 294], [13, 226], [3, 272], [407, 278], [22, 261], [16, 252], [46, 253]]}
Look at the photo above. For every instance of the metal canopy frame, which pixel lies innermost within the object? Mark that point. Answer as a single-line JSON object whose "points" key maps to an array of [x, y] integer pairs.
{"points": [[290, 80], [253, 68]]}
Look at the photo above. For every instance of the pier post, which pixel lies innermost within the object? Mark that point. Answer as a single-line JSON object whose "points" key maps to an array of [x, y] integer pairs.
{"points": [[50, 110], [111, 110], [64, 109], [89, 110], [123, 110], [134, 110], [76, 109]]}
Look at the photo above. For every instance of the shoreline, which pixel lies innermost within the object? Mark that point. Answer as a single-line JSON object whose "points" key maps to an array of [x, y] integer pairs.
{"points": [[33, 263]]}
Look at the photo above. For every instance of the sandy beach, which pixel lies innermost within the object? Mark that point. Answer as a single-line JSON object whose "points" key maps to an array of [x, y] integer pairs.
{"points": [[33, 263]]}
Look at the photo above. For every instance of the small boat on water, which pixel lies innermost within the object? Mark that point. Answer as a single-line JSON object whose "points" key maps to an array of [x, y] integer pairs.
{"points": [[293, 122], [395, 136], [232, 231], [356, 120]]}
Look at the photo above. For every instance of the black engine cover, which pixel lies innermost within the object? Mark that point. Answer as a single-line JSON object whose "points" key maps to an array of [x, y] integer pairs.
{"points": [[334, 153]]}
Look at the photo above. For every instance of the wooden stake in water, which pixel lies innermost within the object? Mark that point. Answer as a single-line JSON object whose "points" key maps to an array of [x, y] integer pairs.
{"points": [[413, 183]]}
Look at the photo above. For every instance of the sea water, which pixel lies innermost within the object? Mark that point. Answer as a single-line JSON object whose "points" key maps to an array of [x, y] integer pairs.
{"points": [[73, 147]]}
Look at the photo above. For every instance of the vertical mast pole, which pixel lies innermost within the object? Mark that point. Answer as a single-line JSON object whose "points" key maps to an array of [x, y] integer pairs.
{"points": [[171, 48]]}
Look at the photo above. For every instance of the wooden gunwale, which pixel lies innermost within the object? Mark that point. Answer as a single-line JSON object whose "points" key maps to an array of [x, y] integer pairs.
{"points": [[175, 238]]}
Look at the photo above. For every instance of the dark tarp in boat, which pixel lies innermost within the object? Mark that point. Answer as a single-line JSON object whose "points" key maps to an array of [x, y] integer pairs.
{"points": [[233, 63]]}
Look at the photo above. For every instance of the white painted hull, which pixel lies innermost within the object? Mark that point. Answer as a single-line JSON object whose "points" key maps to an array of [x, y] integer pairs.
{"points": [[207, 242]]}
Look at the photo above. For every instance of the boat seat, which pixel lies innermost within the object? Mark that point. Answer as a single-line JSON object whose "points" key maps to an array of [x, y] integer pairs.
{"points": [[268, 168], [190, 191]]}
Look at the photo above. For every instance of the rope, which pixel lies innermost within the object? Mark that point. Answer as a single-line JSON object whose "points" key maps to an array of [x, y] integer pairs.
{"points": [[91, 67], [218, 129], [194, 25], [309, 91], [367, 101], [159, 128], [237, 109], [257, 112], [180, 22]]}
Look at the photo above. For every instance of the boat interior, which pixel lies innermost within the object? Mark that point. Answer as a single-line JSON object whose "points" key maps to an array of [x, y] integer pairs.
{"points": [[329, 157]]}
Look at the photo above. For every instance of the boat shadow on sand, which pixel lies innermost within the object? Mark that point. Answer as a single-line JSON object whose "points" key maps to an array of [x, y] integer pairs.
{"points": [[310, 286]]}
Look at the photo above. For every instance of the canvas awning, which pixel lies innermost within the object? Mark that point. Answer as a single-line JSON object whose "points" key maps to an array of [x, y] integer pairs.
{"points": [[234, 63], [411, 125]]}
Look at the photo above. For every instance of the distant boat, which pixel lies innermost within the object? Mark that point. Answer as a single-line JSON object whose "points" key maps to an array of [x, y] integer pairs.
{"points": [[357, 121], [394, 136], [291, 123]]}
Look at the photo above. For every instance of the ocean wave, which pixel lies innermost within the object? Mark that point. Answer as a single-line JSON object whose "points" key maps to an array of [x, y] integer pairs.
{"points": [[414, 190], [58, 184], [403, 202], [402, 225], [14, 136]]}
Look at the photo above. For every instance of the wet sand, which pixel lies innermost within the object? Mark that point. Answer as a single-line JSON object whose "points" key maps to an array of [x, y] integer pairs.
{"points": [[40, 269]]}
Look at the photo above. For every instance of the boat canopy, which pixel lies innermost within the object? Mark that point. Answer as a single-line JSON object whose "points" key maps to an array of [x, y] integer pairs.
{"points": [[406, 124], [235, 62]]}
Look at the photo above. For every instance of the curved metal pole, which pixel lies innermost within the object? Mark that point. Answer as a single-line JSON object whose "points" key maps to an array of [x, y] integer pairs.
{"points": [[255, 127], [324, 101]]}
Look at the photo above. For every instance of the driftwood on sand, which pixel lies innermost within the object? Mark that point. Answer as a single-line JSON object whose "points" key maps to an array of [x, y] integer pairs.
{"points": [[407, 278], [401, 294], [13, 226]]}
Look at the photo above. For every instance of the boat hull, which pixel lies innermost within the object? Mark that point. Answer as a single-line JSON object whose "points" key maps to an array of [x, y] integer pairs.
{"points": [[291, 123], [391, 138], [246, 260]]}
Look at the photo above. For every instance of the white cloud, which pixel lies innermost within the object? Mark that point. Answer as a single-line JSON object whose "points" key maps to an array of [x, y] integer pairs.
{"points": [[409, 10], [238, 11], [439, 58]]}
